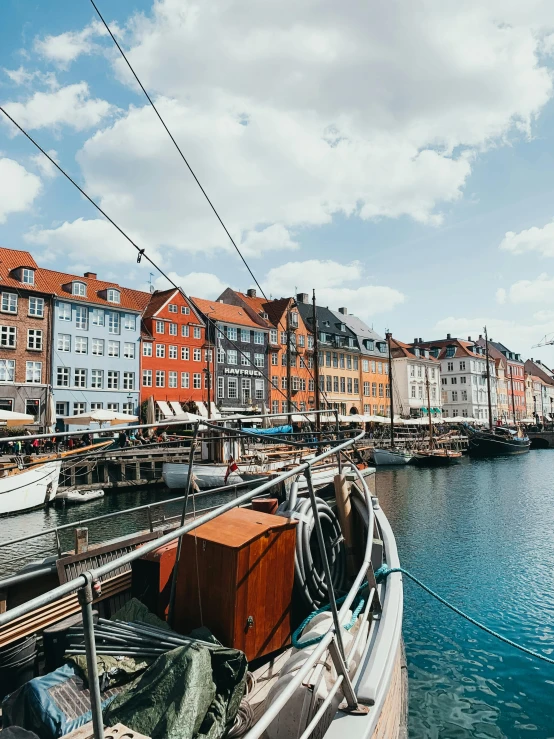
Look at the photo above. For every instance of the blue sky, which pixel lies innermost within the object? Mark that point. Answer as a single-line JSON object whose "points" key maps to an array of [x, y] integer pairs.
{"points": [[379, 157]]}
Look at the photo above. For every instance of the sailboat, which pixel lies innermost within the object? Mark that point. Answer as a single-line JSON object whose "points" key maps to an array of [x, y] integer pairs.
{"points": [[391, 455], [496, 441], [432, 456]]}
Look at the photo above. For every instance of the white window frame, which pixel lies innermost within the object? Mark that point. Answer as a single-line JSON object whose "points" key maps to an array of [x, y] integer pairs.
{"points": [[8, 337], [80, 377], [80, 341], [147, 378], [64, 342], [98, 343], [114, 345], [113, 295], [34, 339], [128, 350], [81, 317], [160, 351], [9, 303], [31, 369], [147, 349], [36, 307], [64, 311], [185, 380], [97, 317], [97, 379], [185, 353], [79, 289], [64, 374], [172, 379]]}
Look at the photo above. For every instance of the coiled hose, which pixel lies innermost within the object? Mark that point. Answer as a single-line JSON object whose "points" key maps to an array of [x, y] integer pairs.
{"points": [[309, 575]]}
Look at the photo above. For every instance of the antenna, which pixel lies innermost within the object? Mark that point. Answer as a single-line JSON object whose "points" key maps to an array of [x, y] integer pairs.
{"points": [[150, 283]]}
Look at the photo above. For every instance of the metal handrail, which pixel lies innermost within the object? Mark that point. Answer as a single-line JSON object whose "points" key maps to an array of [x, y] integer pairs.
{"points": [[83, 583]]}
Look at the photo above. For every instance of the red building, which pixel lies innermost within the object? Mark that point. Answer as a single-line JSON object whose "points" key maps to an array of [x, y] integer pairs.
{"points": [[175, 356]]}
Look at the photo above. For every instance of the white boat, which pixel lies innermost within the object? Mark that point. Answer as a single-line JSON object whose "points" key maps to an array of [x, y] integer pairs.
{"points": [[76, 497], [391, 456], [33, 487]]}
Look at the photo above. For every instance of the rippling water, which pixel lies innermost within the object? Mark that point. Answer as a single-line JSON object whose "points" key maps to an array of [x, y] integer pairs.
{"points": [[482, 535]]}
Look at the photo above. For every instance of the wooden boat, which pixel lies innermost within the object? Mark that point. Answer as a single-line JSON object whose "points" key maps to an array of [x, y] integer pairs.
{"points": [[496, 442], [384, 456], [77, 497]]}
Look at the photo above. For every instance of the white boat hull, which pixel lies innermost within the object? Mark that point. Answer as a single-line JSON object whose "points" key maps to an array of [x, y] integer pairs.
{"points": [[31, 488], [77, 497], [388, 457], [206, 476]]}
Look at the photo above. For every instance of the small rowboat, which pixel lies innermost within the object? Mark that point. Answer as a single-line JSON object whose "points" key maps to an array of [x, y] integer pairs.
{"points": [[76, 497]]}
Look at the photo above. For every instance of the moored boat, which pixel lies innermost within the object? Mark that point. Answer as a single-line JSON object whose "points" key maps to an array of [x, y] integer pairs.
{"points": [[383, 456], [497, 442], [77, 497], [28, 488], [436, 457]]}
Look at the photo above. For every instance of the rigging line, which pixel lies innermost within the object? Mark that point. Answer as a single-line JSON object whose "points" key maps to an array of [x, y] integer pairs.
{"points": [[122, 232], [212, 206], [177, 147]]}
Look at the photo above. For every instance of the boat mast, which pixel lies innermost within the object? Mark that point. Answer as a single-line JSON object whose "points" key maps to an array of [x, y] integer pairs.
{"points": [[513, 399], [431, 440], [289, 388], [389, 339], [488, 378], [316, 365]]}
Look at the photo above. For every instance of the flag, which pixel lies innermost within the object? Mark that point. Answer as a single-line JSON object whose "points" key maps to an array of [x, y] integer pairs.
{"points": [[231, 467]]}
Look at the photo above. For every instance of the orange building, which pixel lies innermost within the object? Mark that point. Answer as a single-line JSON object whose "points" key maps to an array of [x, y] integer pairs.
{"points": [[280, 314], [175, 355]]}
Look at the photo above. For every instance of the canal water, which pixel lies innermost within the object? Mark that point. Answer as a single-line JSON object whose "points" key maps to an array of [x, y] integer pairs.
{"points": [[482, 535]]}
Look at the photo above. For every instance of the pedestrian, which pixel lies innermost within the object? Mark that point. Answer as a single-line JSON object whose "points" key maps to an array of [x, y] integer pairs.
{"points": [[36, 446], [122, 439]]}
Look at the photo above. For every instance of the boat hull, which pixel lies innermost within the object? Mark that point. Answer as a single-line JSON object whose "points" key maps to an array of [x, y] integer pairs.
{"points": [[435, 460], [31, 488], [491, 447], [390, 457]]}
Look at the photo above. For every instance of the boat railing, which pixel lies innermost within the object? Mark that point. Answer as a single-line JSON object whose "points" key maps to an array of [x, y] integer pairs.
{"points": [[87, 583]]}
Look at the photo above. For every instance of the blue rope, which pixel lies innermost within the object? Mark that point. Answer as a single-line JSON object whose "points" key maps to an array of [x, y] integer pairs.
{"points": [[316, 639], [384, 571]]}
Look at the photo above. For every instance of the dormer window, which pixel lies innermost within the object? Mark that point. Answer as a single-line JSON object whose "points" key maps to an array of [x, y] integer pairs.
{"points": [[426, 353], [113, 296], [294, 319], [369, 344], [450, 351], [28, 276], [265, 315], [342, 327], [416, 351], [79, 288]]}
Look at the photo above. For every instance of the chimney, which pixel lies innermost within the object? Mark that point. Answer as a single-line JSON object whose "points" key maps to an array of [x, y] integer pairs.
{"points": [[302, 298], [415, 340], [448, 336], [343, 311], [251, 292], [420, 340], [469, 338], [481, 336], [92, 275]]}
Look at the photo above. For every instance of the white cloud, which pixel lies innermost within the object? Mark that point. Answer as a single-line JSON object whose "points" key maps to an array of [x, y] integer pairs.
{"points": [[67, 47], [328, 278], [198, 284], [70, 106], [536, 239], [519, 336], [540, 290], [45, 167], [501, 296], [18, 188], [305, 111], [94, 239], [23, 76], [272, 238]]}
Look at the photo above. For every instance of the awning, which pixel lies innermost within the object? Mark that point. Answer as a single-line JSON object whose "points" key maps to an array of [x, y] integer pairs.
{"points": [[176, 407], [202, 410], [165, 409]]}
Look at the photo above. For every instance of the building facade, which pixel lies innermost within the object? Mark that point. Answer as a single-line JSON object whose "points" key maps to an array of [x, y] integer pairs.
{"points": [[95, 344], [413, 367], [514, 376], [25, 335], [175, 354], [542, 401], [241, 350]]}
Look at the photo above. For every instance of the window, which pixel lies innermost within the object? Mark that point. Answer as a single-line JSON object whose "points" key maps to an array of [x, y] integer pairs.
{"points": [[28, 276], [258, 337], [78, 408], [80, 378], [184, 330], [9, 302], [450, 366], [33, 372], [114, 324], [275, 406], [444, 380], [160, 328], [273, 336], [130, 322], [463, 380], [113, 348], [64, 310], [128, 407], [81, 345], [185, 354], [160, 351], [274, 358], [185, 381], [327, 359], [412, 391], [81, 317], [366, 388], [357, 386], [349, 385], [464, 394], [34, 339], [113, 406], [147, 378], [335, 359], [98, 347], [113, 296], [453, 380], [343, 384], [283, 337], [232, 388], [173, 329], [36, 307], [245, 358], [197, 380], [341, 361], [335, 384], [129, 380], [62, 409], [374, 389], [231, 356], [172, 379], [80, 289], [172, 308], [185, 310], [301, 340], [160, 378], [283, 383], [245, 335], [310, 341], [197, 332], [381, 388], [7, 336], [97, 379], [462, 366], [62, 377], [259, 389], [64, 343], [197, 355], [454, 396], [348, 361], [259, 360], [113, 380], [172, 351], [97, 317]]}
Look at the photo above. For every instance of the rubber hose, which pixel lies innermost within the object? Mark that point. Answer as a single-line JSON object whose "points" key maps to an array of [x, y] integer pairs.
{"points": [[309, 573]]}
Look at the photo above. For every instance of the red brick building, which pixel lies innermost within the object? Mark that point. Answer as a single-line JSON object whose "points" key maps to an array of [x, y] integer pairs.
{"points": [[175, 355]]}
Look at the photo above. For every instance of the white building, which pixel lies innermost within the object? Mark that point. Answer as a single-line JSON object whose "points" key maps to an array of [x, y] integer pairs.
{"points": [[411, 366]]}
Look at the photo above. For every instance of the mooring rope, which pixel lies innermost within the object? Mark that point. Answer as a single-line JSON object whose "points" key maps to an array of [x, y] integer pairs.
{"points": [[384, 571]]}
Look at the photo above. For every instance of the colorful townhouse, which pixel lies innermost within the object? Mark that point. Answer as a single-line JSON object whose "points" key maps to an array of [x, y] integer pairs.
{"points": [[542, 378], [463, 377], [25, 338], [240, 339], [95, 343], [287, 326], [514, 374], [177, 363], [413, 366]]}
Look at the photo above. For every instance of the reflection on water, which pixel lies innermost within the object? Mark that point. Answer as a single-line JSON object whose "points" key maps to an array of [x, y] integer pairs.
{"points": [[482, 535]]}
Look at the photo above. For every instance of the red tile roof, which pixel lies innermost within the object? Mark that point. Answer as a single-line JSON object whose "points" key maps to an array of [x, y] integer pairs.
{"points": [[400, 349], [226, 313], [275, 309]]}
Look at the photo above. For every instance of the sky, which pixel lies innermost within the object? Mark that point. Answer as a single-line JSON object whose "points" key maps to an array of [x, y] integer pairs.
{"points": [[397, 157]]}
